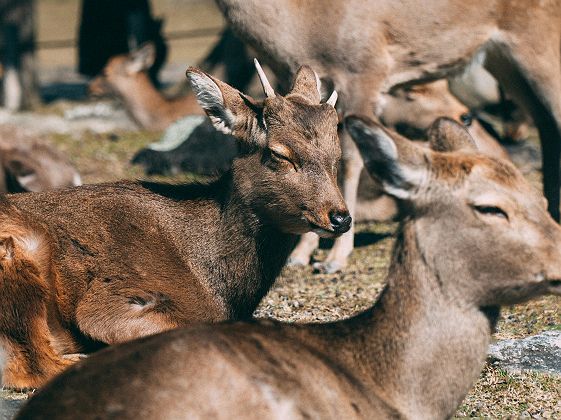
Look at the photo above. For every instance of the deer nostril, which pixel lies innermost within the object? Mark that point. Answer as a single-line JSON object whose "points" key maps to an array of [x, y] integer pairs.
{"points": [[340, 221]]}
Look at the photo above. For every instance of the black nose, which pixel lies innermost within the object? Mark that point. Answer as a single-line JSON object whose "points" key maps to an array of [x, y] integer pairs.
{"points": [[340, 221]]}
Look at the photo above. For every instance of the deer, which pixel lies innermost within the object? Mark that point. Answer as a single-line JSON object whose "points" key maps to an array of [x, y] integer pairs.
{"points": [[27, 165], [410, 111], [476, 236], [20, 83], [132, 259], [367, 48], [126, 75]]}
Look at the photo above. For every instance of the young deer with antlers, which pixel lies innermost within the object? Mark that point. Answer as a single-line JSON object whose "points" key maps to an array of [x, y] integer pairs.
{"points": [[129, 259], [367, 47], [476, 236]]}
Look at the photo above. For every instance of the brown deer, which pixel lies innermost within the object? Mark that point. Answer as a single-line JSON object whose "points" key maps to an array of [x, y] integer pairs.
{"points": [[366, 48], [27, 165], [131, 259], [408, 110], [127, 76], [476, 236]]}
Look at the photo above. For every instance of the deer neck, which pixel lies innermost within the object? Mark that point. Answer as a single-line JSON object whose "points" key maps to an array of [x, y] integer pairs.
{"points": [[418, 348], [253, 20], [250, 250], [143, 101]]}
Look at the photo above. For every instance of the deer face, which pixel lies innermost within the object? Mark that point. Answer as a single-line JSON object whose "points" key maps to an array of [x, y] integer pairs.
{"points": [[287, 171], [122, 69], [479, 226]]}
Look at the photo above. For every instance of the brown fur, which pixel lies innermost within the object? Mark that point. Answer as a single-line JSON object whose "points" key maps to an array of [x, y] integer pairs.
{"points": [[414, 354], [367, 48], [127, 77], [131, 259]]}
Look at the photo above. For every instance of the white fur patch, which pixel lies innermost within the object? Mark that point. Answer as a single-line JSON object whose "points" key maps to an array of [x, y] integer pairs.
{"points": [[279, 406], [76, 180], [30, 243]]}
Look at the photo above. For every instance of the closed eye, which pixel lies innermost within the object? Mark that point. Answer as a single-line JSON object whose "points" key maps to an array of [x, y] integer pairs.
{"points": [[281, 158], [491, 211]]}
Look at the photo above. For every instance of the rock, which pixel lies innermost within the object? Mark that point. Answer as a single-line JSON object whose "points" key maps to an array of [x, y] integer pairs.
{"points": [[541, 353], [9, 408]]}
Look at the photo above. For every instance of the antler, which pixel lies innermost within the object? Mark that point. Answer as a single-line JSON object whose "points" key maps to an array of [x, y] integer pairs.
{"points": [[267, 88], [332, 99]]}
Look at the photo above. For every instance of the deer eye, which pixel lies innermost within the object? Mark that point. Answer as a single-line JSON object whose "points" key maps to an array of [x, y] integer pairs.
{"points": [[491, 211], [280, 158]]}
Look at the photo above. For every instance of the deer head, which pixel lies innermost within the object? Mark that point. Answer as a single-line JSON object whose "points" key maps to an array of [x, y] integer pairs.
{"points": [[120, 70], [478, 224], [287, 169]]}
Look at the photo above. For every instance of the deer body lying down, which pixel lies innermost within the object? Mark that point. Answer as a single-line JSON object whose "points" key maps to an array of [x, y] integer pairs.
{"points": [[127, 76], [476, 236], [131, 259], [366, 48]]}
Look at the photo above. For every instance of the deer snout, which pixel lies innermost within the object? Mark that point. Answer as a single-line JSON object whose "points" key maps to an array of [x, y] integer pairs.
{"points": [[340, 221]]}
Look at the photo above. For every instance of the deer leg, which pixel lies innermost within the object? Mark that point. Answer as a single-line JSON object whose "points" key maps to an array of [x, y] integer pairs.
{"points": [[25, 336], [115, 315], [303, 252], [352, 165], [536, 86]]}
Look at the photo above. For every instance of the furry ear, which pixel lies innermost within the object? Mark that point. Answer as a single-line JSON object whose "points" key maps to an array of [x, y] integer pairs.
{"points": [[230, 111], [142, 59], [307, 86], [446, 135], [398, 164]]}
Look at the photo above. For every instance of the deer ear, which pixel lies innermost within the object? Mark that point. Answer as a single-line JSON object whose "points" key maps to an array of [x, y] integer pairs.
{"points": [[230, 111], [400, 166], [306, 85], [447, 135], [142, 58]]}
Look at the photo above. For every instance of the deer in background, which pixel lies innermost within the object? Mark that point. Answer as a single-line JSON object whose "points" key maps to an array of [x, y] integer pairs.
{"points": [[408, 110], [127, 76], [35, 167], [32, 165], [366, 48], [203, 252], [476, 236]]}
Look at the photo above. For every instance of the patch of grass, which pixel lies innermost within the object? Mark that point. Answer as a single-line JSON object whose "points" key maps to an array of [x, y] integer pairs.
{"points": [[499, 394], [530, 318], [106, 157]]}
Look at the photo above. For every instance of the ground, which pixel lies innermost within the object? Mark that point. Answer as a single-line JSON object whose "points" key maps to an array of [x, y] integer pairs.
{"points": [[299, 295]]}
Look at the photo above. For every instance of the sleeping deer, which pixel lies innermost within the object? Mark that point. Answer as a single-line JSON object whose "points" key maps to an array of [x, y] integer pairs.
{"points": [[476, 236], [365, 48], [129, 259]]}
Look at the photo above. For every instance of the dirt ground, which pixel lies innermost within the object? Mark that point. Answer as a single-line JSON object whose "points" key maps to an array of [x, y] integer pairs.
{"points": [[299, 295]]}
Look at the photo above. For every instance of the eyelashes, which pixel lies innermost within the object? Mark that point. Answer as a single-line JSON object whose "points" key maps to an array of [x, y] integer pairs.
{"points": [[491, 211]]}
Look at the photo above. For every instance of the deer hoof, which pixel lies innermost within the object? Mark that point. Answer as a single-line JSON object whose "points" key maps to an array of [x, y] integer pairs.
{"points": [[330, 267]]}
